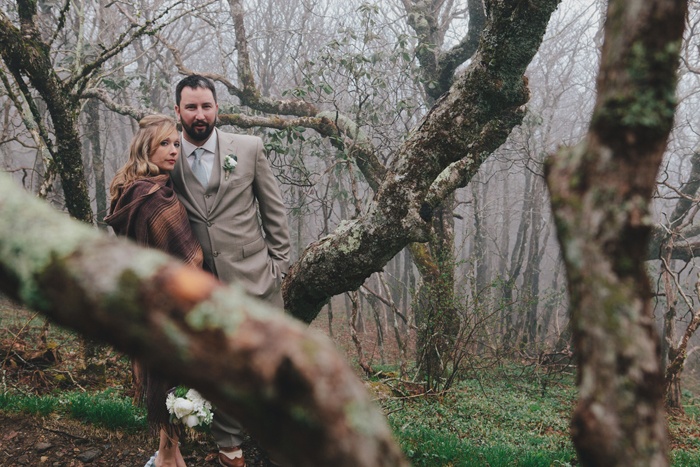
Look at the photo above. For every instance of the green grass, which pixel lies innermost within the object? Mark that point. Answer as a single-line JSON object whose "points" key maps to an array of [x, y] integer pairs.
{"points": [[35, 405], [498, 420], [105, 409]]}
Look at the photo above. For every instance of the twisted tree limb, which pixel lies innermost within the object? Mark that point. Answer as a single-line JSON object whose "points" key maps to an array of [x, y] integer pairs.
{"points": [[469, 122]]}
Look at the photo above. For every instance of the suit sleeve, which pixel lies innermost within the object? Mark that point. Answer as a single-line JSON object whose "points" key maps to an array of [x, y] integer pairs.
{"points": [[272, 210]]}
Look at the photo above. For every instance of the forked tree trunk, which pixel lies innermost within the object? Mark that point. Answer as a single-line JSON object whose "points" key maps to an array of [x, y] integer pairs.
{"points": [[25, 54], [600, 194], [665, 245]]}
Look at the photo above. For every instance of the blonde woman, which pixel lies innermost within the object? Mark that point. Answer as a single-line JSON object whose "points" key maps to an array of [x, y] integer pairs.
{"points": [[144, 208]]}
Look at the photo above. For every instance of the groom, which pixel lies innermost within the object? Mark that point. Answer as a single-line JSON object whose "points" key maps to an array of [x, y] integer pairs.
{"points": [[236, 211]]}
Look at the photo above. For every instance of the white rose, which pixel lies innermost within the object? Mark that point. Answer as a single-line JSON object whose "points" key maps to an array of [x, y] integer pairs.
{"points": [[195, 397], [182, 407], [169, 401], [191, 421]]}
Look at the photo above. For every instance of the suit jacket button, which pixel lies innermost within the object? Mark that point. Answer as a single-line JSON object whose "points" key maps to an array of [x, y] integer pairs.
{"points": [[208, 224], [216, 253]]}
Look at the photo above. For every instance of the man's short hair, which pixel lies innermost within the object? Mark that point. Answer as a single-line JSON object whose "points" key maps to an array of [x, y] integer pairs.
{"points": [[194, 82]]}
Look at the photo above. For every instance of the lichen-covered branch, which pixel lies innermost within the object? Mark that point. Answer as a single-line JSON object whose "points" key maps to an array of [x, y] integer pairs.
{"points": [[111, 104], [451, 59], [285, 383], [454, 176], [438, 67]]}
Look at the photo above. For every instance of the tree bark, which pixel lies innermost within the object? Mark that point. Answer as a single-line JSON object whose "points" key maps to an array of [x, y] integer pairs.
{"points": [[436, 305], [600, 193], [285, 383]]}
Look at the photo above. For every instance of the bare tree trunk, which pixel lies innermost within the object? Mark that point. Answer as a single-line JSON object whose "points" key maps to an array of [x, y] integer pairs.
{"points": [[93, 128], [512, 309], [666, 243], [409, 281], [401, 342], [94, 364], [531, 275], [481, 270], [600, 193], [329, 309], [668, 339], [361, 360], [435, 305], [374, 303], [674, 356]]}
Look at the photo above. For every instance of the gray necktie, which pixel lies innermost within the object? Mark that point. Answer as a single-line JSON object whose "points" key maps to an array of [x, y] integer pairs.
{"points": [[198, 168]]}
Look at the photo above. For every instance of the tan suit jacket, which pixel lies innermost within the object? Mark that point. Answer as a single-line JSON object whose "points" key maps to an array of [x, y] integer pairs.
{"points": [[237, 244]]}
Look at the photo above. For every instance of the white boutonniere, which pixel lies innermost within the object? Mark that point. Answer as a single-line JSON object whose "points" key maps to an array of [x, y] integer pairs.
{"points": [[187, 407], [230, 163]]}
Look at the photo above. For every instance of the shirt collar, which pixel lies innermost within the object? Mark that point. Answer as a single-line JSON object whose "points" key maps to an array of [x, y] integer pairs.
{"points": [[209, 145]]}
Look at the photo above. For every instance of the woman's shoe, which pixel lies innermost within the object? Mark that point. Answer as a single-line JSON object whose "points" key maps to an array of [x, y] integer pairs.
{"points": [[152, 461]]}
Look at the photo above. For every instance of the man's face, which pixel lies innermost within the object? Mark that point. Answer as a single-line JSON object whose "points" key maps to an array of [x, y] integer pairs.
{"points": [[197, 112]]}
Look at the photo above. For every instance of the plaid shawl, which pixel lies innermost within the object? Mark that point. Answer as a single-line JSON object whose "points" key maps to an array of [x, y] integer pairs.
{"points": [[148, 212]]}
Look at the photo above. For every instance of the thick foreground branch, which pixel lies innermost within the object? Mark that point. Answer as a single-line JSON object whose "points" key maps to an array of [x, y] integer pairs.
{"points": [[286, 384]]}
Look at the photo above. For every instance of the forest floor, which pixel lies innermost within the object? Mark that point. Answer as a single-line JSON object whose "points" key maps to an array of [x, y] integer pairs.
{"points": [[32, 440], [39, 359]]}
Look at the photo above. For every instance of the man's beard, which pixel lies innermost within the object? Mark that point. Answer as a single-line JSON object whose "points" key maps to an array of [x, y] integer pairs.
{"points": [[198, 134]]}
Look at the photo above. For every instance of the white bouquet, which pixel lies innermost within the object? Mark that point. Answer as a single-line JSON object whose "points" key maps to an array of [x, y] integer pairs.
{"points": [[188, 407]]}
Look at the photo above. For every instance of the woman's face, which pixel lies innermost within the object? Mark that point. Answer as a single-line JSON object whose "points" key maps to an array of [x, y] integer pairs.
{"points": [[166, 152]]}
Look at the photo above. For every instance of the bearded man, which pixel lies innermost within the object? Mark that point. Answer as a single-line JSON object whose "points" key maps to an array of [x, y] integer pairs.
{"points": [[236, 211]]}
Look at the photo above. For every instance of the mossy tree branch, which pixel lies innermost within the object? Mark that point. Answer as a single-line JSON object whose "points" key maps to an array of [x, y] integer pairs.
{"points": [[286, 384]]}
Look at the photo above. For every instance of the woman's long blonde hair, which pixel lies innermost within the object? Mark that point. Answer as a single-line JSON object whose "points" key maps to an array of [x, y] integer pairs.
{"points": [[152, 130]]}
